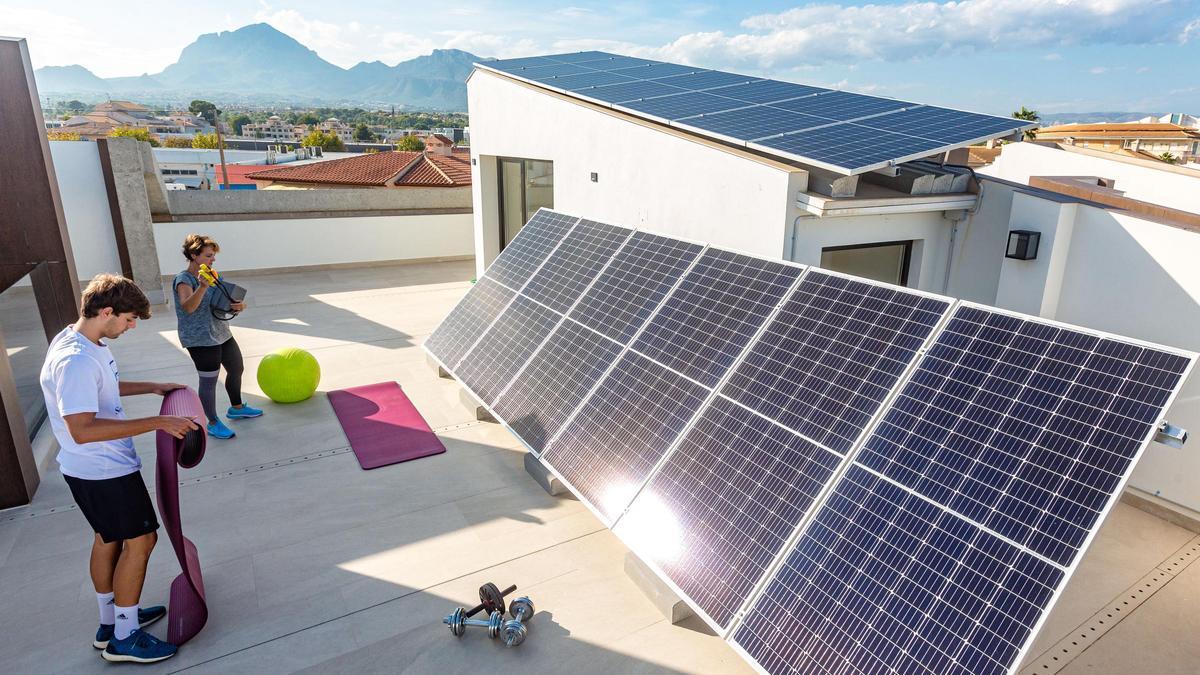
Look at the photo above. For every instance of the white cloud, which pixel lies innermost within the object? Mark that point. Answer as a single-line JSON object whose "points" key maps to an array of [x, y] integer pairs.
{"points": [[833, 33], [1098, 70], [1052, 56]]}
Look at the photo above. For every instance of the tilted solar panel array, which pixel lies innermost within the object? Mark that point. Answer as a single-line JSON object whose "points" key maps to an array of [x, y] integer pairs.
{"points": [[846, 132], [839, 475]]}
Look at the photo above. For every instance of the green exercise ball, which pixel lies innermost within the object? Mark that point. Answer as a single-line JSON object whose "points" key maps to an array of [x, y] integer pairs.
{"points": [[289, 375]]}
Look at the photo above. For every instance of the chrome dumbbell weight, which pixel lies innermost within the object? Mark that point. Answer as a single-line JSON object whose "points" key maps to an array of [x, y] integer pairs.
{"points": [[515, 630], [458, 623]]}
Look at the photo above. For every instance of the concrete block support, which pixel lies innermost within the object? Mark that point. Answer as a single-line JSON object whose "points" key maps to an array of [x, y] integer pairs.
{"points": [[477, 409], [542, 476], [664, 599], [437, 367], [832, 184], [132, 222]]}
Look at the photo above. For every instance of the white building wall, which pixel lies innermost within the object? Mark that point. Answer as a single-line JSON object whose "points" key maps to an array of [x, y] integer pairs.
{"points": [[1139, 278], [85, 206], [645, 177], [1019, 161], [301, 242]]}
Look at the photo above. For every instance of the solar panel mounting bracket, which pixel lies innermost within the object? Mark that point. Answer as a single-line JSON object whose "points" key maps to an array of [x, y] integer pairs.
{"points": [[1170, 435]]}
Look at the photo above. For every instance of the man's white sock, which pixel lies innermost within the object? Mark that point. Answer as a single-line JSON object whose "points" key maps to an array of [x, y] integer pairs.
{"points": [[105, 600], [127, 621]]}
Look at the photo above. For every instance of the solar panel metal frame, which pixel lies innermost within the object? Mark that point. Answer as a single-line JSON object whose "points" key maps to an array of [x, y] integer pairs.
{"points": [[847, 458], [1018, 125], [913, 366]]}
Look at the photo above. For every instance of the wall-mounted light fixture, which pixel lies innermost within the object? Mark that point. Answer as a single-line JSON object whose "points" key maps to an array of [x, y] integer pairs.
{"points": [[1023, 244], [595, 177]]}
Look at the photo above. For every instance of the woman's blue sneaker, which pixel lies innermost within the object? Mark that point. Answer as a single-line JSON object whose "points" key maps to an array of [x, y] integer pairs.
{"points": [[219, 430], [139, 647], [244, 412], [146, 617]]}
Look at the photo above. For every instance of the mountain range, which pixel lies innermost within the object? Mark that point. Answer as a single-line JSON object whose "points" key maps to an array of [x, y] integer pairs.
{"points": [[260, 64]]}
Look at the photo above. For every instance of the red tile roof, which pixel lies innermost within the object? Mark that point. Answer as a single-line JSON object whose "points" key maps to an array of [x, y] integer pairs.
{"points": [[238, 173], [1154, 130], [399, 168]]}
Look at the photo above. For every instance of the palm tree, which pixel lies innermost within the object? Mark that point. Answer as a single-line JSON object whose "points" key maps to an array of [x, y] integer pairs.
{"points": [[1029, 116], [1168, 158]]}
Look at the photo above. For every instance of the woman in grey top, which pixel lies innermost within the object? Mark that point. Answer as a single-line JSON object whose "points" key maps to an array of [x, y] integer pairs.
{"points": [[207, 338]]}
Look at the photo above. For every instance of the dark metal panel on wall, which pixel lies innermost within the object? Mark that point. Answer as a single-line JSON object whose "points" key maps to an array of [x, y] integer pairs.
{"points": [[33, 241]]}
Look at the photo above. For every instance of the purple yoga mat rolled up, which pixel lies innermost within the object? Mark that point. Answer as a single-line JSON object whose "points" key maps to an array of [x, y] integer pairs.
{"points": [[188, 611]]}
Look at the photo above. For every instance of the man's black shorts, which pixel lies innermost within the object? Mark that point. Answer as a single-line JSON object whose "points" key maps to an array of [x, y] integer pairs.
{"points": [[116, 508]]}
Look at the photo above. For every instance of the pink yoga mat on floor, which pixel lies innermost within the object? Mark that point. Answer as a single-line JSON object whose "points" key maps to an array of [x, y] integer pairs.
{"points": [[383, 426], [188, 610]]}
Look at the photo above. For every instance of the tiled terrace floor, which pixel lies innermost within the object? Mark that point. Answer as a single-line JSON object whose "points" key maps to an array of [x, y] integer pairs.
{"points": [[312, 563]]}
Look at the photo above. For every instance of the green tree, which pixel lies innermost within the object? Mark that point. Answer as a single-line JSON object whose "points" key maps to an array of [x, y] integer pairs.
{"points": [[307, 118], [62, 135], [205, 141], [410, 143], [238, 121], [1168, 158], [204, 109], [75, 105], [362, 133], [134, 132], [1029, 116], [177, 142], [325, 141]]}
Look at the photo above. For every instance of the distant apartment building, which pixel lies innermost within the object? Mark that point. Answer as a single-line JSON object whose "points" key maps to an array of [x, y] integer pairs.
{"points": [[1144, 139], [338, 128], [1182, 119], [110, 115], [274, 129]]}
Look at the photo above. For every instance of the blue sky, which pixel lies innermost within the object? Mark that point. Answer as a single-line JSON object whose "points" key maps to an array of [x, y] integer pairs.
{"points": [[985, 55]]}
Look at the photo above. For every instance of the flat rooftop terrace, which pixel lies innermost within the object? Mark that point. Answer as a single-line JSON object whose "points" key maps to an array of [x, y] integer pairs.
{"points": [[312, 564]]}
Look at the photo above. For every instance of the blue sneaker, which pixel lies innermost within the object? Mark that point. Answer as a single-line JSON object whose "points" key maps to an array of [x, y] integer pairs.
{"points": [[242, 413], [219, 430], [146, 617], [139, 647]]}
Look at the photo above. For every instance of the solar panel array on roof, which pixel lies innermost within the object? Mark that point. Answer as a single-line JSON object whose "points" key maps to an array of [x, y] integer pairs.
{"points": [[846, 132], [839, 475]]}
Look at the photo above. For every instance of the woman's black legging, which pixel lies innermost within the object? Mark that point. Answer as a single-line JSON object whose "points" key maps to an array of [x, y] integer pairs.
{"points": [[209, 361]]}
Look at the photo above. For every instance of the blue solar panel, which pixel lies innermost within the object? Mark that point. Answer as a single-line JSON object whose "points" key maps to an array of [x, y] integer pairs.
{"points": [[884, 581], [705, 324], [830, 357], [767, 91], [554, 382], [467, 321], [574, 264], [707, 80], [1024, 427], [504, 348], [724, 504], [621, 93], [657, 70], [682, 105], [890, 131], [850, 145], [639, 277], [585, 81], [532, 245], [842, 105], [578, 57], [752, 123], [540, 73], [944, 126], [622, 430]]}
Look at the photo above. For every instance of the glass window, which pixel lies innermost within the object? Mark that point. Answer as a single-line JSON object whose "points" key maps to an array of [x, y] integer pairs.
{"points": [[526, 185], [24, 344], [886, 262]]}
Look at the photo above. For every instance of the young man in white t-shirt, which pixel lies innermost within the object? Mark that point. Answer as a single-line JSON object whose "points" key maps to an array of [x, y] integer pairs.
{"points": [[83, 402]]}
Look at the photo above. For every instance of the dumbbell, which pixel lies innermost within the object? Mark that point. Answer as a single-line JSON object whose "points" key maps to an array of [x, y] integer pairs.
{"points": [[458, 623], [491, 599], [514, 629]]}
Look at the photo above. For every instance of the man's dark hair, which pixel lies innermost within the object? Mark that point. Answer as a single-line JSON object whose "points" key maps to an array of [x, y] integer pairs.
{"points": [[110, 290]]}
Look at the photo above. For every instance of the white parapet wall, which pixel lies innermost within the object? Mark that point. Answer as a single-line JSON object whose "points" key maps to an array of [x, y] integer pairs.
{"points": [[306, 242], [85, 206]]}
